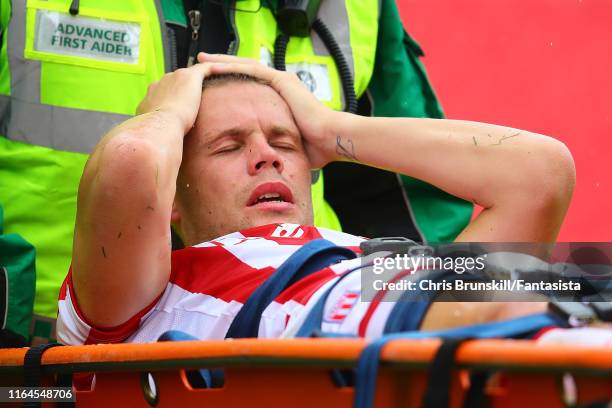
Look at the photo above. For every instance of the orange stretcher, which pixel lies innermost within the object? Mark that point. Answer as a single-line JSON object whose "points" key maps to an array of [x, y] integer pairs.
{"points": [[296, 372]]}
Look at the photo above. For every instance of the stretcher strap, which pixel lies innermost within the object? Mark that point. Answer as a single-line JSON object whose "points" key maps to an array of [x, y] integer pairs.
{"points": [[367, 367], [475, 397], [437, 393], [32, 372], [311, 327], [310, 258], [31, 364], [409, 311], [203, 377]]}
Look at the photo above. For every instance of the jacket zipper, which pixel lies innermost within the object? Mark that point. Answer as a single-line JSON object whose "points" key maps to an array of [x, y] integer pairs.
{"points": [[194, 22]]}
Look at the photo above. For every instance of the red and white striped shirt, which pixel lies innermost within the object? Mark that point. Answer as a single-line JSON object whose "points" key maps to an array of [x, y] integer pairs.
{"points": [[210, 282]]}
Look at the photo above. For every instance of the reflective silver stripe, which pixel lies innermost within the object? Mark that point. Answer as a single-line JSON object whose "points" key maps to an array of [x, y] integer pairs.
{"points": [[164, 36], [5, 114], [25, 74], [235, 44], [334, 15], [22, 116], [73, 130]]}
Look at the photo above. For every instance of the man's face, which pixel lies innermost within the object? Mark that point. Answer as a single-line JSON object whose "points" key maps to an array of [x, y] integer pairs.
{"points": [[243, 165]]}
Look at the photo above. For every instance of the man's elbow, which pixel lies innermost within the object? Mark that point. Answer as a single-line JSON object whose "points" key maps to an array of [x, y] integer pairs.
{"points": [[557, 176], [547, 185], [126, 163]]}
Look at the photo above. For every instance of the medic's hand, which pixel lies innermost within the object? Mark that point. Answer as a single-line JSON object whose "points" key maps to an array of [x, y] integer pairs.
{"points": [[314, 119], [178, 93]]}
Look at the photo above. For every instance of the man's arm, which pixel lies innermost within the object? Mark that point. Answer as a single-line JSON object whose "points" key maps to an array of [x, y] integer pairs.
{"points": [[524, 181], [121, 253]]}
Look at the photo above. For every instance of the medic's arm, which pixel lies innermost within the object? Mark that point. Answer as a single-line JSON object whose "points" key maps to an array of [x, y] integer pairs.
{"points": [[121, 252]]}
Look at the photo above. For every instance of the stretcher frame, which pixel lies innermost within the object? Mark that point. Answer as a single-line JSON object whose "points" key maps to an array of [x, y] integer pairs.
{"points": [[296, 372]]}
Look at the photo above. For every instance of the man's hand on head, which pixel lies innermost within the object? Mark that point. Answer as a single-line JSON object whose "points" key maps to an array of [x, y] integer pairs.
{"points": [[178, 93], [315, 120]]}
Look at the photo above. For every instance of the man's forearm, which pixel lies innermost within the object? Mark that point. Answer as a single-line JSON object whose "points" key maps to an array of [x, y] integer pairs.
{"points": [[496, 167], [503, 169], [475, 161]]}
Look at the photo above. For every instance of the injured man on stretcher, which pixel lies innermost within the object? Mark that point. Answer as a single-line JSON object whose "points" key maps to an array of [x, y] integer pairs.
{"points": [[223, 152]]}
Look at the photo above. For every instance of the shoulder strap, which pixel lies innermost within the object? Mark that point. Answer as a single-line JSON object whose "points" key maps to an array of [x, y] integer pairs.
{"points": [[408, 312], [310, 258]]}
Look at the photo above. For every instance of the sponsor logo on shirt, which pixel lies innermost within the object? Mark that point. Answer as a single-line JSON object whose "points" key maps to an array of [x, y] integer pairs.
{"points": [[288, 231]]}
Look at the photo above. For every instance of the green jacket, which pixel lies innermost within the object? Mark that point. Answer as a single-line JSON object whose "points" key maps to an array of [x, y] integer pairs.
{"points": [[17, 282]]}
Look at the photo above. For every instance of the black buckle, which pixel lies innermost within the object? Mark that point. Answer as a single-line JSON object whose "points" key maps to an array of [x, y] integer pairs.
{"points": [[398, 245]]}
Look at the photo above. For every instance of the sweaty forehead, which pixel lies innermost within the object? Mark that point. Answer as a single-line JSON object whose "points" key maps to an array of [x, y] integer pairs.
{"points": [[240, 104]]}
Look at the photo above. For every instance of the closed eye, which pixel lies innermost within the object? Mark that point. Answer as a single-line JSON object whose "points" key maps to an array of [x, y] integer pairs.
{"points": [[283, 138], [283, 146], [227, 149]]}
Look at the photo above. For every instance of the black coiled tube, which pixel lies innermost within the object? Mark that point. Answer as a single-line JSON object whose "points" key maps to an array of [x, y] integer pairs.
{"points": [[172, 49], [345, 73], [74, 7], [346, 78], [280, 51]]}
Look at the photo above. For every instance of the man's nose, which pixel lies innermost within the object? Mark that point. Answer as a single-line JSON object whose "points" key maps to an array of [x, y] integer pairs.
{"points": [[263, 157]]}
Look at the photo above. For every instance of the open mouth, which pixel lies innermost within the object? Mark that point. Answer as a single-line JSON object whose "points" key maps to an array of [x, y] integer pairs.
{"points": [[270, 193]]}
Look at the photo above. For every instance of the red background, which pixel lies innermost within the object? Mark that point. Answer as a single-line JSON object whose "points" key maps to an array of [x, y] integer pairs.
{"points": [[540, 65]]}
